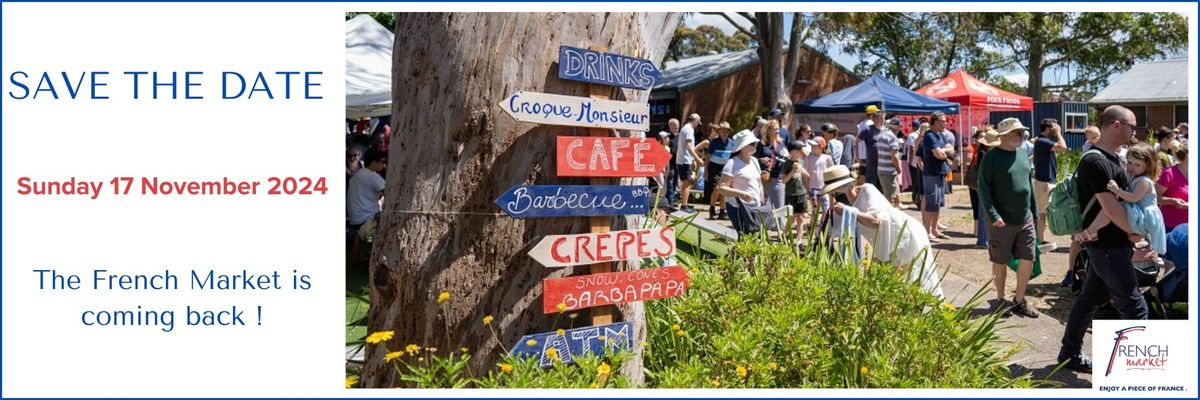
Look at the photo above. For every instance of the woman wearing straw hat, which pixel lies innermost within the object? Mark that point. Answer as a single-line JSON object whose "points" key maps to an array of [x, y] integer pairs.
{"points": [[988, 138], [896, 236], [741, 178], [717, 147]]}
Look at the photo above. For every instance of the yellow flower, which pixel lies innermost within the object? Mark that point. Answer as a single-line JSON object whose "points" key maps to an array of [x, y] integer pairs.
{"points": [[487, 320], [552, 353], [949, 307], [644, 344], [602, 338], [594, 385], [562, 307], [351, 381], [866, 262], [463, 349], [392, 356], [573, 315], [412, 348], [603, 369], [772, 365], [680, 333], [561, 332], [421, 359], [741, 372], [506, 368], [863, 370], [531, 342], [380, 337], [444, 297], [675, 327], [716, 382]]}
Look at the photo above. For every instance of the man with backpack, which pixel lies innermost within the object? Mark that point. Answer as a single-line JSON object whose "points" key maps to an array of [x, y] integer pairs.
{"points": [[1110, 249]]}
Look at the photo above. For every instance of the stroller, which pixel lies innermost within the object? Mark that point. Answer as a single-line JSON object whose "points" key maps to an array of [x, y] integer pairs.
{"points": [[1160, 293]]}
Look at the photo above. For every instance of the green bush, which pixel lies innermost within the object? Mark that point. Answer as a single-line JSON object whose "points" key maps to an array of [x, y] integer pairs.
{"points": [[1067, 162], [763, 317]]}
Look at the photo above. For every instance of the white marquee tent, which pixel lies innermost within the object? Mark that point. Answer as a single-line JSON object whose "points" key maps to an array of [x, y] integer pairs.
{"points": [[368, 68]]}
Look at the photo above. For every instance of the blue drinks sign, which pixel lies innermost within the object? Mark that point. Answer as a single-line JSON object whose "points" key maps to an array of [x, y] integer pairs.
{"points": [[606, 69], [574, 342], [540, 201]]}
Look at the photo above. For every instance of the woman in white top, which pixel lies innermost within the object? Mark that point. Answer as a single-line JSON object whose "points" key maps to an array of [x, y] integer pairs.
{"points": [[895, 236], [741, 178]]}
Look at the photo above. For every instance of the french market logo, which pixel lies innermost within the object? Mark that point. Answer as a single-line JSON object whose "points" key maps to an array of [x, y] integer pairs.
{"points": [[1136, 354]]}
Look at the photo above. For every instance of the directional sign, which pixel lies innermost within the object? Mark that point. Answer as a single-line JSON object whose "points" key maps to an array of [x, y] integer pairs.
{"points": [[610, 157], [588, 248], [553, 109], [595, 290], [575, 342], [537, 201], [606, 69]]}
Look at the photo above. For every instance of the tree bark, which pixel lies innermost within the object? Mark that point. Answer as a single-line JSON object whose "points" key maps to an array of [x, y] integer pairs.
{"points": [[454, 151], [1037, 54], [792, 65]]}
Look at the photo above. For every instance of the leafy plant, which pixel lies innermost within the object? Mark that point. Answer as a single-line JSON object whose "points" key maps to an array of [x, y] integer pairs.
{"points": [[763, 317]]}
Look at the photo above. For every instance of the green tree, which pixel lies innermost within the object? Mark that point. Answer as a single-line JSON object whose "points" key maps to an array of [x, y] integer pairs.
{"points": [[387, 19], [704, 40], [778, 65], [912, 49], [1096, 45]]}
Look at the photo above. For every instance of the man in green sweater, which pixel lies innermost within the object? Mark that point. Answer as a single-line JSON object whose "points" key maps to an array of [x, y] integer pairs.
{"points": [[1006, 196]]}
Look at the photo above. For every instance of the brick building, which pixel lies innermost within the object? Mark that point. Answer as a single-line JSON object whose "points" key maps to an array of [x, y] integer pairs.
{"points": [[721, 86], [1156, 92]]}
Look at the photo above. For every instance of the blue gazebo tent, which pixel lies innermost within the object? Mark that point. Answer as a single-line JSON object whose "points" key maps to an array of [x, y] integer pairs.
{"points": [[877, 91]]}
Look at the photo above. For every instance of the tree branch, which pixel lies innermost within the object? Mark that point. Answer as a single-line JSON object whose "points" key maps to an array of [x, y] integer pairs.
{"points": [[734, 23]]}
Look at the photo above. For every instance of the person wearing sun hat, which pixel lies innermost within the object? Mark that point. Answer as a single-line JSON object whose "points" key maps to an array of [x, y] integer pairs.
{"points": [[895, 236], [1007, 200], [741, 178], [717, 148], [986, 139]]}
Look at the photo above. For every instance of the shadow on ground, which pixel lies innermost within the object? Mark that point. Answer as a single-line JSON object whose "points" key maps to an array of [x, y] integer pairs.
{"points": [[1052, 377]]}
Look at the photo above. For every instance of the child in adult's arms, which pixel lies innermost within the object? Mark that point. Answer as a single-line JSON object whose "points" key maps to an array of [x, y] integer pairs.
{"points": [[1144, 215]]}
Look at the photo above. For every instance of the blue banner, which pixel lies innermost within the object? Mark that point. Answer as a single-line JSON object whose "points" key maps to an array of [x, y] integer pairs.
{"points": [[606, 69], [541, 201], [575, 342]]}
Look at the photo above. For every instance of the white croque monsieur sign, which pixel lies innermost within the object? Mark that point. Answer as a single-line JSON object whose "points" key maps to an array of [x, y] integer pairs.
{"points": [[552, 109]]}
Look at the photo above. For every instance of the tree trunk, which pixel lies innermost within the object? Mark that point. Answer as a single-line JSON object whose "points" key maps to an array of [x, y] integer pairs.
{"points": [[792, 65], [1037, 58], [762, 25], [454, 152]]}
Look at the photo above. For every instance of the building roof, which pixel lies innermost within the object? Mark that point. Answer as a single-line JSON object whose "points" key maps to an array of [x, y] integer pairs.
{"points": [[691, 72], [688, 73], [1163, 81]]}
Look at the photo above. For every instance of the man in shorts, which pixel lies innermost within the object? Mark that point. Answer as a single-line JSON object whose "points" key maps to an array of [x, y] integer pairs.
{"points": [[887, 145], [936, 153], [1006, 198]]}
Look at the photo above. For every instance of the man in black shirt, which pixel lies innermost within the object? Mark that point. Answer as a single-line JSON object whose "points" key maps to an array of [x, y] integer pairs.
{"points": [[1110, 249]]}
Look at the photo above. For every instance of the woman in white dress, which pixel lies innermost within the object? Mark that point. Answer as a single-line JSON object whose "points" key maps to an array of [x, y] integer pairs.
{"points": [[896, 236]]}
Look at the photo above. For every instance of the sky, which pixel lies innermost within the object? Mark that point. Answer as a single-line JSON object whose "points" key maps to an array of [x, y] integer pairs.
{"points": [[1014, 74]]}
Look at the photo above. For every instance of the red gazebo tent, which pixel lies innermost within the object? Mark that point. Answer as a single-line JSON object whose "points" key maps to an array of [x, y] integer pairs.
{"points": [[977, 98], [962, 88]]}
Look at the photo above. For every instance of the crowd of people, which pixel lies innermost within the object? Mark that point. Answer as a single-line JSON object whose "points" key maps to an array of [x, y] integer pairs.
{"points": [[852, 183], [367, 143]]}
